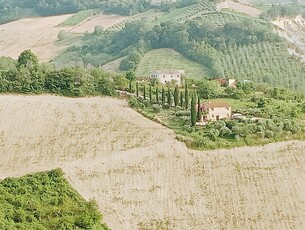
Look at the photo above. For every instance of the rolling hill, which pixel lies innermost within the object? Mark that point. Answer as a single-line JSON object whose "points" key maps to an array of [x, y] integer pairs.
{"points": [[141, 176], [170, 59]]}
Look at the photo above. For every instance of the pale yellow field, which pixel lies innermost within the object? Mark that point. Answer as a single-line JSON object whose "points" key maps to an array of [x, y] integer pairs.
{"points": [[141, 176], [36, 34], [39, 34], [235, 6]]}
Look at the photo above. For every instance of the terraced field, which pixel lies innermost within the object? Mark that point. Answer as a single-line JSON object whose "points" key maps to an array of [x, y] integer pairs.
{"points": [[170, 59], [269, 63], [141, 176]]}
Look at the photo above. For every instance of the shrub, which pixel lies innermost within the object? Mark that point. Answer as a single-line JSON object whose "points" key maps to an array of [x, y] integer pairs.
{"points": [[269, 134], [213, 134], [135, 103], [225, 131], [157, 108], [183, 113]]}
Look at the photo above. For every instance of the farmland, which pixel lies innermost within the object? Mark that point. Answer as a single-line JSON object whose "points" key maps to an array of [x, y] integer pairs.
{"points": [[141, 176], [170, 59], [265, 62]]}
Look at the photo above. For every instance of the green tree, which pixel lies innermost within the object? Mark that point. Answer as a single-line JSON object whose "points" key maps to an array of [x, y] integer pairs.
{"points": [[27, 59], [169, 97], [130, 75], [193, 111], [198, 109], [157, 94], [150, 93], [137, 89], [130, 86], [163, 96], [144, 92], [176, 96], [186, 97], [181, 99]]}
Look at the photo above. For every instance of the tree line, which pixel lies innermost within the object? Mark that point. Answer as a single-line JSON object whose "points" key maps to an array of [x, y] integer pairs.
{"points": [[26, 75]]}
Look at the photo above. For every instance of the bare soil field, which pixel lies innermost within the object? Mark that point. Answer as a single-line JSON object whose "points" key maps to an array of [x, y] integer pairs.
{"points": [[102, 20], [141, 176], [37, 34], [235, 6]]}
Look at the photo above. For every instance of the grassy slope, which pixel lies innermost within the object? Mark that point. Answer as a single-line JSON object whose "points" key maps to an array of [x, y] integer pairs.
{"points": [[44, 201], [170, 59], [78, 18]]}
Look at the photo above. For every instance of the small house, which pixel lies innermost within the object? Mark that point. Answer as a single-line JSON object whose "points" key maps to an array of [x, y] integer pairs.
{"points": [[214, 111], [167, 76]]}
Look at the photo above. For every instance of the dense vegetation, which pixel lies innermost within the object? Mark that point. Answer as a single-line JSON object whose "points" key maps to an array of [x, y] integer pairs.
{"points": [[27, 76], [269, 114], [286, 10], [15, 9], [45, 201]]}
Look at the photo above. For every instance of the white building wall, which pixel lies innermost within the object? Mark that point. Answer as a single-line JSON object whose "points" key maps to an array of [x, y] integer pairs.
{"points": [[221, 112]]}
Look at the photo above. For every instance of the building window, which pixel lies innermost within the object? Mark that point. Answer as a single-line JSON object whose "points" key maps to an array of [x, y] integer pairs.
{"points": [[213, 115], [212, 109], [171, 76], [163, 76], [177, 75]]}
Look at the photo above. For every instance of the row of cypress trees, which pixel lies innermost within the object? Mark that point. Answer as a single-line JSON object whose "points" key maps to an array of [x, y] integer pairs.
{"points": [[180, 99]]}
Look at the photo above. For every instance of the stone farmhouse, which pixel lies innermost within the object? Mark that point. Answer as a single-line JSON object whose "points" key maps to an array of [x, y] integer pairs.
{"points": [[214, 111], [167, 76]]}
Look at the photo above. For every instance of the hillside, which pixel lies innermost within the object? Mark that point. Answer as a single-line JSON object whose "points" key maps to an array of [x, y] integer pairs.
{"points": [[45, 201], [170, 59], [141, 176]]}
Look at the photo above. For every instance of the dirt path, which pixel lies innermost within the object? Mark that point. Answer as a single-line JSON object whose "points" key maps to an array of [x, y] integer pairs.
{"points": [[141, 177]]}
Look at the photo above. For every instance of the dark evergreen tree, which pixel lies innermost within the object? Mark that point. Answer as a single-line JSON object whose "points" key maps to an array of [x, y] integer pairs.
{"points": [[157, 94], [176, 96], [186, 97], [144, 92], [150, 93], [163, 96], [130, 86], [198, 109], [181, 99], [193, 111], [137, 89], [169, 97]]}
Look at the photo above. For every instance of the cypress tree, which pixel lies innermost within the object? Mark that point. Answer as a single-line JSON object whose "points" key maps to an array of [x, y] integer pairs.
{"points": [[169, 97], [193, 111], [150, 94], [186, 97], [181, 99], [198, 108], [163, 96], [176, 96], [157, 94], [144, 92], [130, 87], [137, 89]]}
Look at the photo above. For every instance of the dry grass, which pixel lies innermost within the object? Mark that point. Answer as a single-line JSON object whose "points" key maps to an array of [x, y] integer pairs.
{"points": [[141, 176]]}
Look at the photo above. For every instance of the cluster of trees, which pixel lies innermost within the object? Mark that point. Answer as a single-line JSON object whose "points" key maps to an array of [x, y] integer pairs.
{"points": [[277, 113], [45, 201], [27, 76], [15, 9], [198, 42], [285, 10]]}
